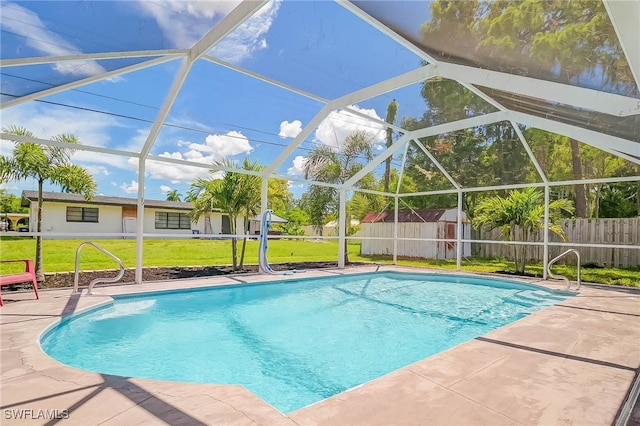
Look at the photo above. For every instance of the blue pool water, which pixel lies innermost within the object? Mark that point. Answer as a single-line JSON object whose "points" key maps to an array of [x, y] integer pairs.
{"points": [[294, 342]]}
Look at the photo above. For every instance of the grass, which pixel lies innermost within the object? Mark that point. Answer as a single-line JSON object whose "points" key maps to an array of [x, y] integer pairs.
{"points": [[614, 276], [59, 256]]}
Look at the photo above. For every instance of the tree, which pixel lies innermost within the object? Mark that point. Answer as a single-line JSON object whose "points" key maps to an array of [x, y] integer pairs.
{"points": [[319, 202], [620, 199], [392, 111], [235, 194], [10, 203], [555, 154], [173, 195], [518, 216], [45, 164], [280, 198], [207, 194], [328, 165], [570, 42], [249, 195], [296, 218], [363, 203]]}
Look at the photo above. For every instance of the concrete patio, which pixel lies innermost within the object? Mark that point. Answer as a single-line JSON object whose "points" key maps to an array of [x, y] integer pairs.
{"points": [[573, 363]]}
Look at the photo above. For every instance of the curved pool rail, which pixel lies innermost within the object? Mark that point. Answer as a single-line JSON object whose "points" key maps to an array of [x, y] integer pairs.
{"points": [[562, 277], [76, 277]]}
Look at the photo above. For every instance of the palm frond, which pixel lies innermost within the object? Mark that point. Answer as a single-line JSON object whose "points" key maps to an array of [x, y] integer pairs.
{"points": [[73, 178]]}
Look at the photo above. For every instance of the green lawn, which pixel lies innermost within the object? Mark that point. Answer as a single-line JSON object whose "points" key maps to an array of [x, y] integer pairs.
{"points": [[627, 277], [59, 256]]}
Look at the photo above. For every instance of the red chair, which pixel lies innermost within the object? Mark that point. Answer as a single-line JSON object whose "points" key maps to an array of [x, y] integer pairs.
{"points": [[28, 275]]}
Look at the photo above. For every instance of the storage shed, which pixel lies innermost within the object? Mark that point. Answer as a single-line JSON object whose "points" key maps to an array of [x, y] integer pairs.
{"points": [[418, 231]]}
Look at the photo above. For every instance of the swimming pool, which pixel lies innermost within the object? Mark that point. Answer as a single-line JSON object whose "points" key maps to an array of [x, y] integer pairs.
{"points": [[292, 342]]}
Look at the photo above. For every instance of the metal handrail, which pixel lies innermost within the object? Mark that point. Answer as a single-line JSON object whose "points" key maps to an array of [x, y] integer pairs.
{"points": [[562, 277], [76, 277]]}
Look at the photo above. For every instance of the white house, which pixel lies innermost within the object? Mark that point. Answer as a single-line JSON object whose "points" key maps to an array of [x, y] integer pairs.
{"points": [[420, 227], [71, 214]]}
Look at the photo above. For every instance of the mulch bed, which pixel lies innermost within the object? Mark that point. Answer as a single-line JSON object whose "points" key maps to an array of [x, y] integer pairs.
{"points": [[65, 279]]}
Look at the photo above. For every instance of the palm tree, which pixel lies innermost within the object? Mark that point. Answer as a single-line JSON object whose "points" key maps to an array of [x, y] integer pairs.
{"points": [[249, 194], [327, 164], [518, 216], [392, 111], [173, 195], [45, 163], [231, 194]]}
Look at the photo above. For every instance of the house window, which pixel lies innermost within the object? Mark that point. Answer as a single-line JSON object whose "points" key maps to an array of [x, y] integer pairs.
{"points": [[82, 214], [165, 220]]}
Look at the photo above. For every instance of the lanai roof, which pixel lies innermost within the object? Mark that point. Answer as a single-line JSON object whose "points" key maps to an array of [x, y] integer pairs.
{"points": [[316, 69]]}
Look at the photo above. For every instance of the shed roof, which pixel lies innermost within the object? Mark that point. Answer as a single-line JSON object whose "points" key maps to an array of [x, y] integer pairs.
{"points": [[63, 197], [405, 215]]}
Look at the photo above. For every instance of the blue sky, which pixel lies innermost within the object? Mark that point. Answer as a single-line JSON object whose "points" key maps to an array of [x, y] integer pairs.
{"points": [[318, 47]]}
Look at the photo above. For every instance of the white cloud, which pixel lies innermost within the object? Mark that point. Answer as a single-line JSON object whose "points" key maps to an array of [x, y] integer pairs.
{"points": [[136, 143], [184, 22], [219, 146], [97, 170], [249, 37], [290, 130], [298, 166], [27, 24], [214, 148], [165, 188], [339, 124], [9, 186], [176, 173], [130, 188], [6, 147], [46, 121]]}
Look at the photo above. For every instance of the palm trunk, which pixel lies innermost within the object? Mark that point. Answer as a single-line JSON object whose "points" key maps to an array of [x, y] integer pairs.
{"points": [[39, 271], [244, 240], [387, 172], [234, 251], [596, 207], [514, 249], [581, 193], [524, 251], [234, 242]]}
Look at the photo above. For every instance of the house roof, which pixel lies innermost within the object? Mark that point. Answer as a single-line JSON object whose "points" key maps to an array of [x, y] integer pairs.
{"points": [[63, 197], [405, 215]]}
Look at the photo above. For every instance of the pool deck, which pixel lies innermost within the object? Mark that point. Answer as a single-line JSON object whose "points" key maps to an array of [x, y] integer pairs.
{"points": [[571, 364]]}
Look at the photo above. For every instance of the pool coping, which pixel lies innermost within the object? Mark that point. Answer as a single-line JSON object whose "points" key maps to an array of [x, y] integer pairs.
{"points": [[573, 362]]}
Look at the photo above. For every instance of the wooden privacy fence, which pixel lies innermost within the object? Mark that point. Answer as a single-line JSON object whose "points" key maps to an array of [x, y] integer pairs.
{"points": [[420, 239], [578, 231]]}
